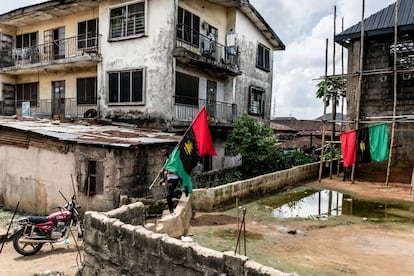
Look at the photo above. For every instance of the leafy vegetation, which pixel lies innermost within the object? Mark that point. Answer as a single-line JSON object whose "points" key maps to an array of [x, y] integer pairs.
{"points": [[256, 144], [336, 84]]}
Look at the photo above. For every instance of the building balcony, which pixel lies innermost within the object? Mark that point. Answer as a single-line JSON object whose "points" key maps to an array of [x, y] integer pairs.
{"points": [[58, 55], [218, 113], [204, 52], [51, 108]]}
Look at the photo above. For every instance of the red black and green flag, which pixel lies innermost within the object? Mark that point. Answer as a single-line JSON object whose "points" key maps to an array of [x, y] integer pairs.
{"points": [[195, 143]]}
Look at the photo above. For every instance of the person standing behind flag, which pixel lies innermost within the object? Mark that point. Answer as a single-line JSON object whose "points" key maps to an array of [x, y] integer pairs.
{"points": [[172, 180]]}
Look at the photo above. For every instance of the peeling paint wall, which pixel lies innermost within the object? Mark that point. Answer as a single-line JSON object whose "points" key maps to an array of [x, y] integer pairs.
{"points": [[152, 53]]}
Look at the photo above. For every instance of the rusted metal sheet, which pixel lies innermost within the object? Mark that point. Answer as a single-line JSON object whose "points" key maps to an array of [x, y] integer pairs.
{"points": [[14, 138]]}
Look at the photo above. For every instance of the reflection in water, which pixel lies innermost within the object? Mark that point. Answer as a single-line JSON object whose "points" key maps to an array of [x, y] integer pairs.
{"points": [[319, 204], [310, 202]]}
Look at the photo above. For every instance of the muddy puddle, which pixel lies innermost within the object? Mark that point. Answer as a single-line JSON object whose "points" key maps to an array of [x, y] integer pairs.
{"points": [[311, 202]]}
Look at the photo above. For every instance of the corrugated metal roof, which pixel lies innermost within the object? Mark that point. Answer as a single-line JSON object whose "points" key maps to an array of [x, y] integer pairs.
{"points": [[104, 135], [382, 22]]}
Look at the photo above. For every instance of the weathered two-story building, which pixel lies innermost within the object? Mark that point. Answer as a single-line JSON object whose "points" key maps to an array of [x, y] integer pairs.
{"points": [[375, 102], [151, 63]]}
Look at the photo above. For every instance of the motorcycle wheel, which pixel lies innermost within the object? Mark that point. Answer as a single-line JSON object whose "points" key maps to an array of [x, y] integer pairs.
{"points": [[25, 249]]}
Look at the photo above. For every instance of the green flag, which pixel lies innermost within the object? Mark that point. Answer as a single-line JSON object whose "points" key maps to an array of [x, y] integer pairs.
{"points": [[378, 141]]}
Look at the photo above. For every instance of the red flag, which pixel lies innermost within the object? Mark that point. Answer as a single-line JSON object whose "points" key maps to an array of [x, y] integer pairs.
{"points": [[348, 147], [202, 134]]}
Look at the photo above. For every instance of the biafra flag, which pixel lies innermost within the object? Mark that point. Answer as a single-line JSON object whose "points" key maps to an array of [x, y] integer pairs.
{"points": [[195, 143]]}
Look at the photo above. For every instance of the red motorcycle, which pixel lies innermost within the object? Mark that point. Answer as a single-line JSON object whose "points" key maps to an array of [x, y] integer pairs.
{"points": [[32, 232]]}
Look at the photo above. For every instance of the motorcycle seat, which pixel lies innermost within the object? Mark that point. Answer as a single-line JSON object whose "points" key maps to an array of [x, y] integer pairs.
{"points": [[37, 219]]}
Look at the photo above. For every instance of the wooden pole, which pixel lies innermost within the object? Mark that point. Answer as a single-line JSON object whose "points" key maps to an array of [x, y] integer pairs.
{"points": [[333, 97], [342, 100], [361, 68], [394, 109], [8, 228], [324, 112]]}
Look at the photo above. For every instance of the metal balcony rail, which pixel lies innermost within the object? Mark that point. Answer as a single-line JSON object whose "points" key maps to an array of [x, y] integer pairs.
{"points": [[57, 50], [185, 109], [63, 107], [207, 47]]}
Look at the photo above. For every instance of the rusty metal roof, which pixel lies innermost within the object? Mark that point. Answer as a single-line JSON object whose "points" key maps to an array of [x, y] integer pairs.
{"points": [[90, 133], [382, 22]]}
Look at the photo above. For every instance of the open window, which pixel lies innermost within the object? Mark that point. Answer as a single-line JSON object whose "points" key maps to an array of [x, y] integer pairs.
{"points": [[86, 90], [94, 180], [186, 89], [256, 101], [127, 21]]}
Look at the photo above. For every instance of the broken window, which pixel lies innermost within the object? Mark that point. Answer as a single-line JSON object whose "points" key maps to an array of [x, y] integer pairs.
{"points": [[94, 179], [263, 57], [86, 90], [27, 92], [126, 87], [186, 89], [127, 21], [256, 101], [88, 34], [188, 28]]}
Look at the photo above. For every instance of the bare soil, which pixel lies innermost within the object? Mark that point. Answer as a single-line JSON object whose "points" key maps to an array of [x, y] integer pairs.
{"points": [[338, 247]]}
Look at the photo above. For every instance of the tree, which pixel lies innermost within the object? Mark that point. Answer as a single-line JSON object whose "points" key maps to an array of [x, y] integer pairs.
{"points": [[334, 84], [256, 144]]}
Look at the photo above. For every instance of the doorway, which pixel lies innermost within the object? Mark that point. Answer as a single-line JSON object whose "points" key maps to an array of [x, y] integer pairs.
{"points": [[211, 98], [58, 99]]}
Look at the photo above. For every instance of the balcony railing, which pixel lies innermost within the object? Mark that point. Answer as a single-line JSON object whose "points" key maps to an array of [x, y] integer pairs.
{"points": [[57, 50], [63, 108], [204, 48], [217, 112]]}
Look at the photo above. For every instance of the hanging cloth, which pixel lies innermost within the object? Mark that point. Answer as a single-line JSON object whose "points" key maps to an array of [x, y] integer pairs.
{"points": [[348, 147], [362, 146], [378, 142]]}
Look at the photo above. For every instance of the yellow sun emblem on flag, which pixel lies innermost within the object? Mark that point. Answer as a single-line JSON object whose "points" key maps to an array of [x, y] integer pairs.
{"points": [[188, 147]]}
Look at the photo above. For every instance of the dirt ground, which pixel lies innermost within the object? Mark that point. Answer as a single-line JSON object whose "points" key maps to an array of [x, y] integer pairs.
{"points": [[354, 247]]}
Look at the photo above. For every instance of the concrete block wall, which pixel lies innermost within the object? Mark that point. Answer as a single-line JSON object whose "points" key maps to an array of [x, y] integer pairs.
{"points": [[216, 198], [114, 247]]}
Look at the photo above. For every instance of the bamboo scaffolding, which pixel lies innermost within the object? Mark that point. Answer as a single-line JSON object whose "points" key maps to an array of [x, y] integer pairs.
{"points": [[333, 98], [324, 112], [361, 68], [394, 109]]}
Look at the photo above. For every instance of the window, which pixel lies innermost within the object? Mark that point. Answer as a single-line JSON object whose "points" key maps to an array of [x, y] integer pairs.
{"points": [[256, 101], [126, 87], [188, 27], [186, 89], [86, 91], [88, 34], [27, 92], [26, 40], [263, 57], [94, 179], [127, 21]]}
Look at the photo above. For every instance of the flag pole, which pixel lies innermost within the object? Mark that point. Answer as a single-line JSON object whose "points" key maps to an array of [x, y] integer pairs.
{"points": [[182, 137]]}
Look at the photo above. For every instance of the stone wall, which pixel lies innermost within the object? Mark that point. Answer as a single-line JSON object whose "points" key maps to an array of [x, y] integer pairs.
{"points": [[113, 247]]}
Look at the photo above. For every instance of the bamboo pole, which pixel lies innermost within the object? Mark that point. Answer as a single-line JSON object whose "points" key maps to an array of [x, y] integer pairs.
{"points": [[333, 97], [342, 102], [361, 67], [324, 112], [394, 109]]}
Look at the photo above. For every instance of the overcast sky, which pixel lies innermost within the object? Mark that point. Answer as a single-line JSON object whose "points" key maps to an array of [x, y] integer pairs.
{"points": [[303, 26]]}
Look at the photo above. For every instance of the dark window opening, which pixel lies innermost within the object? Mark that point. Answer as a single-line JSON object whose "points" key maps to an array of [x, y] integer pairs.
{"points": [[186, 89], [88, 34], [263, 57], [256, 101], [94, 179], [86, 90], [126, 87], [27, 92], [188, 28]]}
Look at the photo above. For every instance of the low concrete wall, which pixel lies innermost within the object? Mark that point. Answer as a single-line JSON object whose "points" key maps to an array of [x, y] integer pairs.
{"points": [[215, 198], [114, 247]]}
